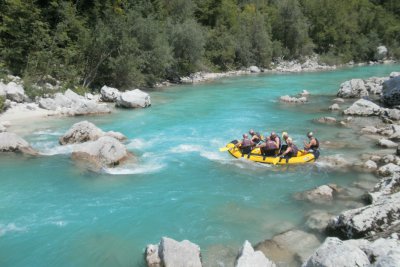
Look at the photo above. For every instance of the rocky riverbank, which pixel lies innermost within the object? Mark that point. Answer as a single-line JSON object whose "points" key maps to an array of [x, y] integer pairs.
{"points": [[365, 235]]}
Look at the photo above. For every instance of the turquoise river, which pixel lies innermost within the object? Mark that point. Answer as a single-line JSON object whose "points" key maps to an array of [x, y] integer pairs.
{"points": [[54, 212]]}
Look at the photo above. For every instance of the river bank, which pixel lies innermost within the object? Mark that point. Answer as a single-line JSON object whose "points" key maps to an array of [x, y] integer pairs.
{"points": [[224, 202]]}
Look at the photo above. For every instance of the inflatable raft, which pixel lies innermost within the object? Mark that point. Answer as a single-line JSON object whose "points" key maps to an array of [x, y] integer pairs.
{"points": [[256, 156]]}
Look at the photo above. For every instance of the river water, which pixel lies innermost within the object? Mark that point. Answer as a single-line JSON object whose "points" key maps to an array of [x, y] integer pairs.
{"points": [[55, 213]]}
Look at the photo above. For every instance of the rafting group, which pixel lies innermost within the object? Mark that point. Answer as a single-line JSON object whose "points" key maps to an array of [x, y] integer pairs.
{"points": [[273, 149]]}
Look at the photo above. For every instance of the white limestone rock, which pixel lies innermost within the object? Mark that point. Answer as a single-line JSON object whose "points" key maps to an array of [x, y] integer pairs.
{"points": [[10, 142], [370, 165], [327, 120], [352, 89], [109, 94], [249, 258], [104, 152], [387, 143], [85, 131], [334, 252], [133, 99], [368, 220], [295, 100], [334, 107], [385, 187], [363, 107], [388, 169], [171, 253], [254, 69]]}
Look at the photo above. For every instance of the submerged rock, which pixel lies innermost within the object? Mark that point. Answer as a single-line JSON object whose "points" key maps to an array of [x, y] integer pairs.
{"points": [[327, 120], [352, 89], [334, 107], [295, 100], [10, 142], [170, 253], [321, 194], [363, 107], [391, 92], [133, 99], [368, 220], [249, 258], [334, 252], [318, 220], [370, 165], [104, 152], [85, 131], [293, 246], [109, 94]]}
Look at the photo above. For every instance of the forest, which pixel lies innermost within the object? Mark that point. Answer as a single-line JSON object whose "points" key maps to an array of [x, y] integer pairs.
{"points": [[125, 43]]}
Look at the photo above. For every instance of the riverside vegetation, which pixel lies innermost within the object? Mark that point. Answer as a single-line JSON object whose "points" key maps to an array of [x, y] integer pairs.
{"points": [[86, 44]]}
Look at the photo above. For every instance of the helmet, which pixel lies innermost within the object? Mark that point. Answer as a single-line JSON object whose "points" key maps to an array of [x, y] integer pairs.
{"points": [[251, 131], [273, 134], [284, 134], [309, 134], [289, 140], [245, 135]]}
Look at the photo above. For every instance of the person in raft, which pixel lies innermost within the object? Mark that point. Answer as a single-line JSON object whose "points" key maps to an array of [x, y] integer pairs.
{"points": [[312, 145], [285, 136], [245, 145], [268, 148], [255, 136], [291, 150], [274, 137]]}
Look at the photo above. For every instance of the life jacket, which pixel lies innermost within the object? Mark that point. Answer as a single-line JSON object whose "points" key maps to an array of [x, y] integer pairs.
{"points": [[294, 151], [246, 143], [270, 145], [316, 146]]}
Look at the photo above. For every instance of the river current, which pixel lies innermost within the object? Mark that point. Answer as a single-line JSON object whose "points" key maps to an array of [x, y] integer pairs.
{"points": [[53, 212]]}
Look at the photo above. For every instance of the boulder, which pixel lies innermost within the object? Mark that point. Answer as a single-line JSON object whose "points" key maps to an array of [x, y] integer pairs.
{"points": [[334, 107], [293, 246], [388, 169], [109, 94], [15, 92], [72, 104], [391, 92], [390, 158], [249, 258], [352, 89], [374, 84], [170, 253], [394, 74], [334, 252], [385, 187], [368, 220], [254, 69], [321, 194], [317, 220], [391, 114], [104, 152], [296, 100], [370, 165], [387, 143], [10, 142], [369, 130], [363, 107], [85, 131], [327, 120], [133, 99]]}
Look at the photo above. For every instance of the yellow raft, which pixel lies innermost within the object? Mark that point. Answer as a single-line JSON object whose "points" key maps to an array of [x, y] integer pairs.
{"points": [[255, 155]]}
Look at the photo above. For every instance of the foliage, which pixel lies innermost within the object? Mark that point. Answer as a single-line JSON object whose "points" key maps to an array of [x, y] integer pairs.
{"points": [[121, 43]]}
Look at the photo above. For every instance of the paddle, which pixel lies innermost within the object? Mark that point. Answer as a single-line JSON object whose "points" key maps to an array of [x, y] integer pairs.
{"points": [[222, 149]]}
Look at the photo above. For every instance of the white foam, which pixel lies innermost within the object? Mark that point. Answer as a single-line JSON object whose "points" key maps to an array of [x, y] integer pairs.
{"points": [[51, 148], [11, 227], [146, 168], [47, 132], [139, 143], [185, 148]]}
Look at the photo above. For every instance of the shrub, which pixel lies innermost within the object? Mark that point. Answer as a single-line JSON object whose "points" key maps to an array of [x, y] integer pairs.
{"points": [[2, 103]]}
